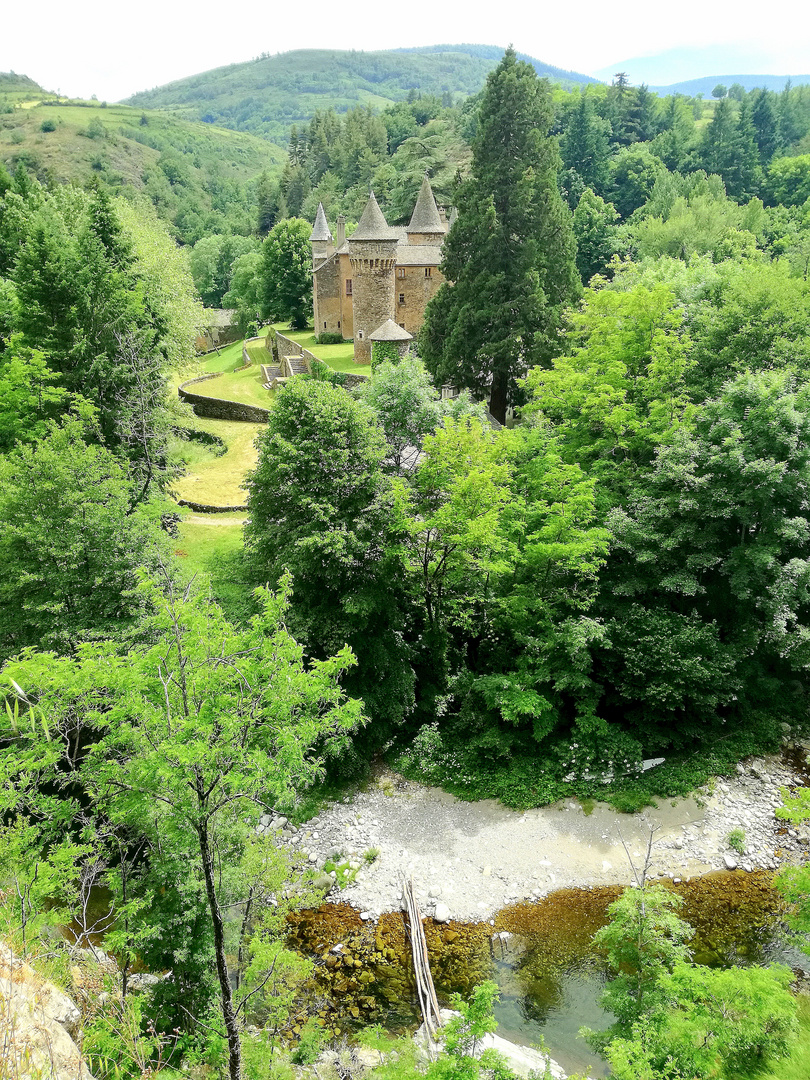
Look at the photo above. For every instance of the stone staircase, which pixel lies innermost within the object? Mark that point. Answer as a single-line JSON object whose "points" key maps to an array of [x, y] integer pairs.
{"points": [[270, 372]]}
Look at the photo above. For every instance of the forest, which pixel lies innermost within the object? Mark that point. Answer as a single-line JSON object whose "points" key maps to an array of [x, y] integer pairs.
{"points": [[615, 570]]}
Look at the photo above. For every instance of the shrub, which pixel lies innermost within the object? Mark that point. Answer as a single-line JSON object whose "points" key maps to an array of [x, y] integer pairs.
{"points": [[48, 125], [329, 338], [736, 841]]}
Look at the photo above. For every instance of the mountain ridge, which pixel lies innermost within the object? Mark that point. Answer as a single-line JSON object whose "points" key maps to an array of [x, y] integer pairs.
{"points": [[269, 94]]}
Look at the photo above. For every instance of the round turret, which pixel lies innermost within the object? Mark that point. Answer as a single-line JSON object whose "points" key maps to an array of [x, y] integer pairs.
{"points": [[372, 254]]}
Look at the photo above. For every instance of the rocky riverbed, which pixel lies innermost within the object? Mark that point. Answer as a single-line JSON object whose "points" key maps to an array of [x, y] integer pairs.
{"points": [[468, 860]]}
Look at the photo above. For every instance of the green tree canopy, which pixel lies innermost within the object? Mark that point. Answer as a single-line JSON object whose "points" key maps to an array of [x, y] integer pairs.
{"points": [[510, 254], [286, 273], [322, 508], [71, 544]]}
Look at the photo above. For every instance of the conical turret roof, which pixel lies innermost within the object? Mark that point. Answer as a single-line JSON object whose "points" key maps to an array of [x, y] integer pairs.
{"points": [[389, 331], [372, 225], [320, 230], [425, 218]]}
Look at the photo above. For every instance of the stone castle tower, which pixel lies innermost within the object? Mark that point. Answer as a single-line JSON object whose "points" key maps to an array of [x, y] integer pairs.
{"points": [[373, 258], [380, 275]]}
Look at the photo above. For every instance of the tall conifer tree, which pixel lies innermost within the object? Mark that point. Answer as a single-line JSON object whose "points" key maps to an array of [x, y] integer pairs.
{"points": [[510, 254]]}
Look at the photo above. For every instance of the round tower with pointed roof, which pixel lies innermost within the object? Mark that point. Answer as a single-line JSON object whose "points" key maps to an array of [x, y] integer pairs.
{"points": [[426, 225], [321, 239], [373, 258]]}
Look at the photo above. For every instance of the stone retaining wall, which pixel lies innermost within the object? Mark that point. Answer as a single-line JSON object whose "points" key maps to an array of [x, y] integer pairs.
{"points": [[246, 361], [287, 348], [207, 508], [220, 408]]}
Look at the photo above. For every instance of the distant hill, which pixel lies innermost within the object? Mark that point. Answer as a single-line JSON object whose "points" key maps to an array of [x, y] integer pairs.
{"points": [[682, 70], [706, 84], [16, 88], [10, 80], [194, 173], [266, 96], [495, 52]]}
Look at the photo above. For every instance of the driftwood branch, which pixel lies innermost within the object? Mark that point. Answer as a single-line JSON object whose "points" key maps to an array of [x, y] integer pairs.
{"points": [[425, 990]]}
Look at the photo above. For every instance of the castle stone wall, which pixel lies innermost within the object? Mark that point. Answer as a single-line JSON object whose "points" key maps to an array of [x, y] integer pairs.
{"points": [[417, 288], [373, 263]]}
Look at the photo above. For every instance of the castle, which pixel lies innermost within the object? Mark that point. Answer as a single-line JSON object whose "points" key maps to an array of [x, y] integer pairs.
{"points": [[375, 286]]}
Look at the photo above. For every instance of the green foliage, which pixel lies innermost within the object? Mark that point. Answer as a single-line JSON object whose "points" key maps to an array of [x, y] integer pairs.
{"points": [[268, 94], [72, 542], [286, 273], [182, 731], [463, 1033], [788, 180], [38, 881], [736, 840], [383, 352], [122, 1044], [714, 1024], [310, 1043], [585, 148], [408, 407], [697, 633], [594, 232], [644, 939], [344, 872], [321, 507], [633, 173], [510, 254], [623, 389], [28, 397], [327, 338]]}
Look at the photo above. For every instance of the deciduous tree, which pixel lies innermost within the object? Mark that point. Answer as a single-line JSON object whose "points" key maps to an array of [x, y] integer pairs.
{"points": [[286, 273]]}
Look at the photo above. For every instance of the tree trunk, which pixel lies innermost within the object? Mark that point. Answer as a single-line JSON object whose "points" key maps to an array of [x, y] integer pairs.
{"points": [[497, 396], [226, 995]]}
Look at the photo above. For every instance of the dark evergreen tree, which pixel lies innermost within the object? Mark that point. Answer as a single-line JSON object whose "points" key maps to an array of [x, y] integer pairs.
{"points": [[728, 149], [585, 147], [763, 119], [510, 254], [268, 200]]}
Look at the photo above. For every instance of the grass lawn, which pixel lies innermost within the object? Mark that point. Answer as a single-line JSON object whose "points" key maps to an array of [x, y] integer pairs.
{"points": [[258, 353], [244, 386], [338, 357], [205, 537], [216, 481]]}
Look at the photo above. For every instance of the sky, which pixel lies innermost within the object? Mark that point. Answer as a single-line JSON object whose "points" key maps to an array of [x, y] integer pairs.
{"points": [[109, 49]]}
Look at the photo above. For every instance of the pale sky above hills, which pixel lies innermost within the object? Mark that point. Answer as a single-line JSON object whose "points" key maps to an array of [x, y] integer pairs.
{"points": [[99, 47]]}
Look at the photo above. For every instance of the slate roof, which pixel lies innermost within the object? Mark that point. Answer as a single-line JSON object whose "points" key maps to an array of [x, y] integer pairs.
{"points": [[389, 331], [320, 230], [419, 254], [372, 224], [425, 217]]}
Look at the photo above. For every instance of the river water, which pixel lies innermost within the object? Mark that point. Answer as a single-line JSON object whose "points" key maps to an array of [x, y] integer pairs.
{"points": [[539, 954]]}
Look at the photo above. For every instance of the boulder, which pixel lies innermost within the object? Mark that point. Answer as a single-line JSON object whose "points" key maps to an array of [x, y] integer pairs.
{"points": [[522, 1060], [36, 1024], [442, 913]]}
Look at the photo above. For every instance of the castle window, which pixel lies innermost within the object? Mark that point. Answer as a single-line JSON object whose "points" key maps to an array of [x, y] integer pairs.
{"points": [[338, 324], [402, 298], [324, 326], [401, 271], [348, 286], [427, 271], [360, 334]]}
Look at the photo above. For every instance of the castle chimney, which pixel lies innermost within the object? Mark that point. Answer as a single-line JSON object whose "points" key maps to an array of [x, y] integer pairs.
{"points": [[341, 231]]}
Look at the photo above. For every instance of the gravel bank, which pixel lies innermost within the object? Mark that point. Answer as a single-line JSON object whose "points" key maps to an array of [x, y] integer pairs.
{"points": [[468, 860]]}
